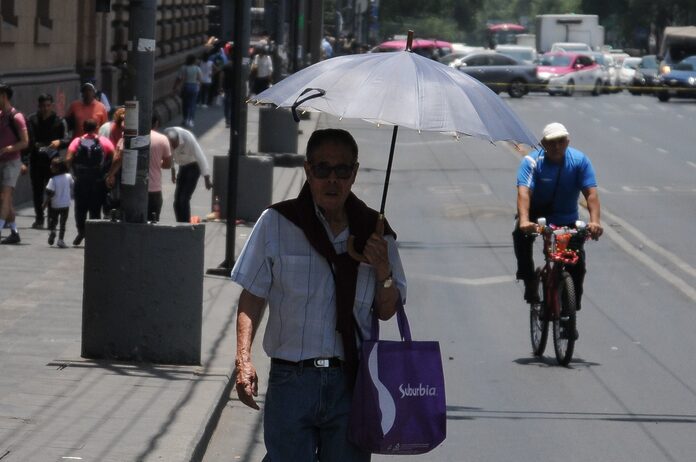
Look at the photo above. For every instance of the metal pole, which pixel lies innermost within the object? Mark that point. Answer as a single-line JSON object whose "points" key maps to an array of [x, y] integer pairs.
{"points": [[136, 143], [240, 57]]}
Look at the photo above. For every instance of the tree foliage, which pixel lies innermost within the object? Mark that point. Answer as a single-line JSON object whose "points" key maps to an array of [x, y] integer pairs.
{"points": [[628, 23]]}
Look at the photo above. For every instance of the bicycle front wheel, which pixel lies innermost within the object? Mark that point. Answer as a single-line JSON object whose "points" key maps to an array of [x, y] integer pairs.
{"points": [[565, 327], [538, 320]]}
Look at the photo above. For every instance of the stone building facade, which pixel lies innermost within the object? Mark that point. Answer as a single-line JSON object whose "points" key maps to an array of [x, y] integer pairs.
{"points": [[51, 46]]}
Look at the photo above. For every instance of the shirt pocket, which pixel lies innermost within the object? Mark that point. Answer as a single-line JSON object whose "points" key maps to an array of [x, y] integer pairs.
{"points": [[295, 273]]}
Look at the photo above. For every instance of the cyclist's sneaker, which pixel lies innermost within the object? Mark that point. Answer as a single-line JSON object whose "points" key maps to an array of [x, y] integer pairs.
{"points": [[531, 292]]}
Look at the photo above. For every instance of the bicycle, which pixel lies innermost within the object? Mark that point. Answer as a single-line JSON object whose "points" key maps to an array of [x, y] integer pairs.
{"points": [[556, 292]]}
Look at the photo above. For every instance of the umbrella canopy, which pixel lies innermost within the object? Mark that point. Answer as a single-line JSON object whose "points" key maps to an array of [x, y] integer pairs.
{"points": [[402, 89]]}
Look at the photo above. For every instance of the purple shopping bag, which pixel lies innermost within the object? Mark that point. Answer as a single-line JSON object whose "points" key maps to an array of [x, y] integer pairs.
{"points": [[399, 396]]}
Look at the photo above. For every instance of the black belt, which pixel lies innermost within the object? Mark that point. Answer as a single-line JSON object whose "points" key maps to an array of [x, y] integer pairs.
{"points": [[319, 363]]}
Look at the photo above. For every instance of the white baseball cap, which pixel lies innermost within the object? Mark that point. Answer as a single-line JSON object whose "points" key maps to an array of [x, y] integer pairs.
{"points": [[554, 130]]}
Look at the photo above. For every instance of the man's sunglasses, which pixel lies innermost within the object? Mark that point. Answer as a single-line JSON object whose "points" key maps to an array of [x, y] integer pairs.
{"points": [[323, 170]]}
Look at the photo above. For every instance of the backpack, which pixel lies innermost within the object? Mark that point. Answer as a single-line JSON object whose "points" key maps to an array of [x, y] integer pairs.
{"points": [[90, 158]]}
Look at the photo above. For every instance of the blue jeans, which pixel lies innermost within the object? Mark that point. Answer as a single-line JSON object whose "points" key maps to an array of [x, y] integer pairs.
{"points": [[189, 95], [306, 416]]}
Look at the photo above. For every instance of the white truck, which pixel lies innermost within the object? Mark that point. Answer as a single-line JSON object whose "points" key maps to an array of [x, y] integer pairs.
{"points": [[579, 28]]}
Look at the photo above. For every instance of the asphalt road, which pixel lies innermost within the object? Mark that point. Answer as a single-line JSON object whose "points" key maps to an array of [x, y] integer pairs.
{"points": [[630, 392]]}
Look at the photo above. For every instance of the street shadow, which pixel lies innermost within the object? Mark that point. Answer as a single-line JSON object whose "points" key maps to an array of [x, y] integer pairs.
{"points": [[548, 361], [474, 413]]}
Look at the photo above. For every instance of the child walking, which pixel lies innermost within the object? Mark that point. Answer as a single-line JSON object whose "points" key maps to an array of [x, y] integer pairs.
{"points": [[59, 191]]}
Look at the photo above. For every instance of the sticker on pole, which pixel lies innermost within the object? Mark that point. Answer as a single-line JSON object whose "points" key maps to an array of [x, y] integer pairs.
{"points": [[146, 45], [129, 167], [131, 124]]}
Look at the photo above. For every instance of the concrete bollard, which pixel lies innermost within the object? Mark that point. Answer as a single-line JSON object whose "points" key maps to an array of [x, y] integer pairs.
{"points": [[277, 131], [254, 185], [143, 292]]}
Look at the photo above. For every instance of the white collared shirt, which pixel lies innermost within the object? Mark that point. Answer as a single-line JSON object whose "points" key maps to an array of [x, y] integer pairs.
{"points": [[278, 264], [189, 151]]}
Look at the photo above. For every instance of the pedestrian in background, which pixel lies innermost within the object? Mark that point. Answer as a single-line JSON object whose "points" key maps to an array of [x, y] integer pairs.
{"points": [[13, 139], [226, 85], [261, 70], [160, 157], [320, 301], [187, 84], [59, 192], [48, 133], [88, 107], [89, 156], [187, 153], [114, 131], [206, 81]]}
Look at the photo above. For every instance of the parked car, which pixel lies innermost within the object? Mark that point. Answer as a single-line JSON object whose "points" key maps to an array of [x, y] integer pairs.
{"points": [[453, 59], [646, 77], [523, 54], [610, 72], [565, 73], [571, 47], [680, 82], [499, 72], [628, 70]]}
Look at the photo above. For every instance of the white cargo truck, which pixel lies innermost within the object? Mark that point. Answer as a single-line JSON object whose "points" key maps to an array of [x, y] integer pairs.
{"points": [[575, 28]]}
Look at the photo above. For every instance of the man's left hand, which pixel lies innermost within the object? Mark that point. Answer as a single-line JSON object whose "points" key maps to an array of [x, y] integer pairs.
{"points": [[23, 169], [376, 252], [595, 230]]}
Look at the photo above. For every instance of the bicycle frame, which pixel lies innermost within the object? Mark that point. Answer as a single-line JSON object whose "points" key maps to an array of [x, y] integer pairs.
{"points": [[556, 255]]}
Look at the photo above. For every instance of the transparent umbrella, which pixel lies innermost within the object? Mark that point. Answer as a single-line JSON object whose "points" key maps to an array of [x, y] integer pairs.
{"points": [[402, 89]]}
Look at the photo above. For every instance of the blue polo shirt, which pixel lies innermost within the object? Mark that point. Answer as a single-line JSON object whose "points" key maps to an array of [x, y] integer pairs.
{"points": [[540, 175]]}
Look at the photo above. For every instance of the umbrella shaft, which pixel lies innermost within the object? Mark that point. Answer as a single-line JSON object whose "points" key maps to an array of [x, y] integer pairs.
{"points": [[389, 167]]}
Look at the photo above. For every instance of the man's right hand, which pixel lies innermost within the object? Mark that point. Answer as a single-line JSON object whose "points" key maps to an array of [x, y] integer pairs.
{"points": [[528, 227], [247, 383]]}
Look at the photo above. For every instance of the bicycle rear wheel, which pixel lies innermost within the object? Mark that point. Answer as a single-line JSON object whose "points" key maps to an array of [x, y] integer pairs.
{"points": [[538, 320], [564, 328]]}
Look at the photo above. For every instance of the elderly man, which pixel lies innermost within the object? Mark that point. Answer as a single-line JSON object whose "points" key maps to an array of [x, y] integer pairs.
{"points": [[320, 302], [549, 183], [187, 153]]}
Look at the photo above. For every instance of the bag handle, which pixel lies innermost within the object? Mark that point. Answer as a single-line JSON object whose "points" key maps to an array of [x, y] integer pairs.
{"points": [[401, 319]]}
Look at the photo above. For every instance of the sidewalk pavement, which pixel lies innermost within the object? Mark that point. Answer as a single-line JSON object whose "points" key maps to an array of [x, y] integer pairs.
{"points": [[57, 406]]}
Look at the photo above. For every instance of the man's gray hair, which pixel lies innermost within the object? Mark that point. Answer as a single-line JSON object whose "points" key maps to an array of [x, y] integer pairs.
{"points": [[172, 135]]}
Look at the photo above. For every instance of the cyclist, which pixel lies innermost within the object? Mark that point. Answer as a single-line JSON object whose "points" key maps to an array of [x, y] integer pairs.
{"points": [[549, 183]]}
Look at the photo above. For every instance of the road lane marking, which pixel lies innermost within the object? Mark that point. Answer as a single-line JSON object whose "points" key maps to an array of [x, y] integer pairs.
{"points": [[693, 164], [463, 281], [633, 189], [631, 249], [662, 151], [614, 129], [636, 139]]}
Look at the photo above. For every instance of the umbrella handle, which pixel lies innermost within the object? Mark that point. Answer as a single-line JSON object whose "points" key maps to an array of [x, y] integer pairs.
{"points": [[300, 100], [379, 230]]}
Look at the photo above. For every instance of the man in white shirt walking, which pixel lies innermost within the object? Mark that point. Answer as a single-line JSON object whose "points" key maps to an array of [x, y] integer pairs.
{"points": [[187, 153]]}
